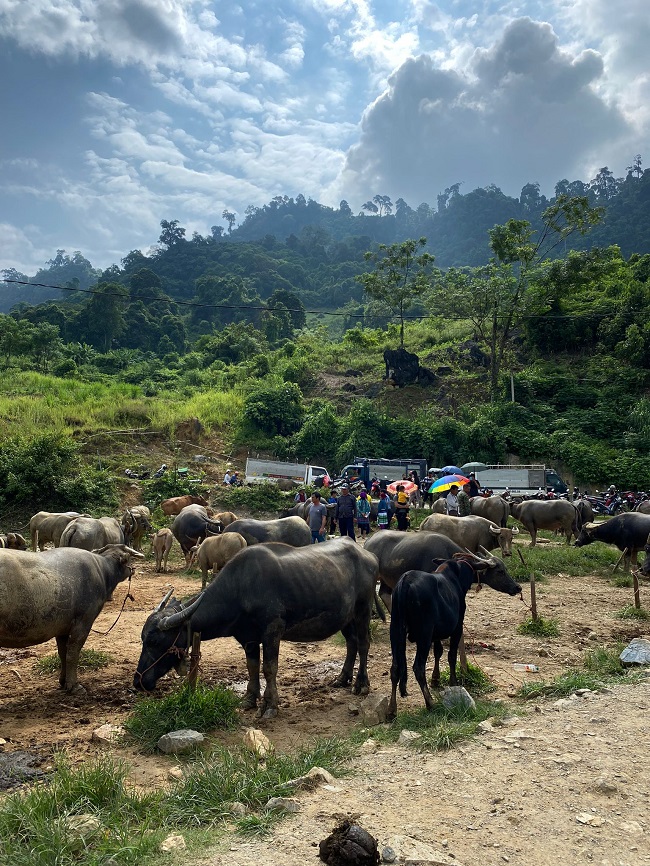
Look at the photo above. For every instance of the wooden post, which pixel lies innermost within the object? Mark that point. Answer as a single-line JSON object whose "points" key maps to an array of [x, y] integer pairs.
{"points": [[194, 660], [637, 597], [620, 559], [462, 654], [533, 597]]}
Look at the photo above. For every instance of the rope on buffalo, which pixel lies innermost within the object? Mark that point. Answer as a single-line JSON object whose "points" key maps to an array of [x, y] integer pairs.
{"points": [[127, 597]]}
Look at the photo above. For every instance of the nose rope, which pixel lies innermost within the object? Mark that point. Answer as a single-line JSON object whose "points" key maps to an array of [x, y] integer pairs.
{"points": [[127, 597], [179, 652]]}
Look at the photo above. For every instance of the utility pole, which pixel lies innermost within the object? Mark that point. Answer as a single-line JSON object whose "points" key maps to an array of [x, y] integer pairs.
{"points": [[512, 388]]}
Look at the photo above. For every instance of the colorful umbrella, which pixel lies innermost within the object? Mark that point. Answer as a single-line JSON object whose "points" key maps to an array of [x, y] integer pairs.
{"points": [[451, 470], [408, 486], [446, 481]]}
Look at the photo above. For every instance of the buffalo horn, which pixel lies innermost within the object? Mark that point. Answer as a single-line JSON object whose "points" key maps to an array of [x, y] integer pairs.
{"points": [[487, 556], [515, 530], [590, 525], [176, 619], [164, 601], [494, 529], [133, 552]]}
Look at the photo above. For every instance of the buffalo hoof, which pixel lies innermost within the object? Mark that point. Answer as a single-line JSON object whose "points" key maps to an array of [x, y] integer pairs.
{"points": [[249, 702], [76, 689], [362, 689], [341, 682], [271, 713]]}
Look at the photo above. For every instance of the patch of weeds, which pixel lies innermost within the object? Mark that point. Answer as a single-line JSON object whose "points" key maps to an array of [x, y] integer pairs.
{"points": [[226, 776], [89, 660], [257, 826], [625, 581], [202, 709], [605, 661], [632, 612], [439, 728], [474, 679], [600, 666], [35, 829], [539, 627]]}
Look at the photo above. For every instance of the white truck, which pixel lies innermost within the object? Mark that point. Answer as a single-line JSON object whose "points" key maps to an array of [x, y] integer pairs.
{"points": [[520, 480], [260, 471]]}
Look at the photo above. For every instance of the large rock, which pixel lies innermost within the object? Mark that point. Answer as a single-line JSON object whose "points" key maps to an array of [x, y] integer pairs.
{"points": [[374, 710], [637, 652], [256, 741], [457, 696], [179, 741]]}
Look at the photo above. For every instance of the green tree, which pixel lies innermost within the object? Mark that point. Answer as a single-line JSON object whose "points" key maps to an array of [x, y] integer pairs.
{"points": [[230, 218], [399, 276], [172, 233], [275, 409]]}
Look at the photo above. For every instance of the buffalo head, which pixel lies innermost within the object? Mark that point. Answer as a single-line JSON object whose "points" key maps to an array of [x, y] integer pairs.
{"points": [[491, 571], [165, 641], [586, 535]]}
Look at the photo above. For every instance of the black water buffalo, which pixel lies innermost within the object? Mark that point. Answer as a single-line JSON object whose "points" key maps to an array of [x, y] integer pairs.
{"points": [[269, 593], [472, 532], [430, 607], [557, 514], [58, 594], [629, 532], [645, 565], [191, 526], [398, 552], [493, 508], [91, 533], [287, 530]]}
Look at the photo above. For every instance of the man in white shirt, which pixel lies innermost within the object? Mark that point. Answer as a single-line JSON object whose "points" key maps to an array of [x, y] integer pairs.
{"points": [[451, 502]]}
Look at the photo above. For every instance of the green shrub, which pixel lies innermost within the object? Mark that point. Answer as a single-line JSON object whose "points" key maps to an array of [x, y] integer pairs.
{"points": [[255, 497], [275, 409], [539, 627]]}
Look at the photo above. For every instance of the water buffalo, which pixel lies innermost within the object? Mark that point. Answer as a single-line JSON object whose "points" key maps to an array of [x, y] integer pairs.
{"points": [[629, 532], [225, 518], [645, 565], [289, 530], [13, 541], [48, 526], [266, 594], [643, 507], [493, 508], [191, 526], [135, 525], [430, 607], [398, 553], [58, 594], [215, 552], [161, 544], [585, 512], [535, 515], [472, 532], [91, 533], [177, 503]]}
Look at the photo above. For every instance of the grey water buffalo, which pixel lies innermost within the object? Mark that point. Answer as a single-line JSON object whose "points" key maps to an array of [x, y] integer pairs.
{"points": [[161, 544], [493, 508], [266, 594], [177, 503], [215, 552], [13, 541], [136, 523], [629, 532], [398, 553], [585, 512], [91, 533], [557, 514], [430, 607], [472, 532], [191, 526], [288, 530], [58, 594], [47, 526], [643, 507]]}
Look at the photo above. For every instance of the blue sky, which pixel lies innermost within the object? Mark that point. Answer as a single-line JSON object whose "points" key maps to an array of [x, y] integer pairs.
{"points": [[120, 113]]}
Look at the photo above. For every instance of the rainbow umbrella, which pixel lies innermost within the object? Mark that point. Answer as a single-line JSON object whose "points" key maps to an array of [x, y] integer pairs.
{"points": [[446, 481]]}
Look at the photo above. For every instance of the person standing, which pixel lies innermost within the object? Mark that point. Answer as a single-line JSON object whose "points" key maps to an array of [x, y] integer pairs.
{"points": [[474, 486], [346, 508], [402, 508], [317, 518], [363, 513], [427, 496], [451, 502], [383, 510], [464, 505]]}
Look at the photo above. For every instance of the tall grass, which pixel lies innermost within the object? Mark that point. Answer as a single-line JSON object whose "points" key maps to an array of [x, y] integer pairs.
{"points": [[546, 561]]}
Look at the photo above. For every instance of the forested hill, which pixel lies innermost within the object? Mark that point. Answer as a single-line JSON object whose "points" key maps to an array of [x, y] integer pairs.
{"points": [[314, 251]]}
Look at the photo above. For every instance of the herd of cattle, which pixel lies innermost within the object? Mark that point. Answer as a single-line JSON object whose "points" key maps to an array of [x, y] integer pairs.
{"points": [[274, 584]]}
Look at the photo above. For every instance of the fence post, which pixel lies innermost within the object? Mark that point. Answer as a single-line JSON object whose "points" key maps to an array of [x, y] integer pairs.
{"points": [[194, 660]]}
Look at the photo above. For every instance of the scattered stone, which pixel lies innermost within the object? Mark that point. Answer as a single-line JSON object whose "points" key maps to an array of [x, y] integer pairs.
{"points": [[485, 727], [637, 652], [582, 692], [412, 852], [175, 774], [562, 704], [388, 855], [455, 696], [543, 653], [256, 741], [374, 709], [349, 844], [82, 826], [369, 746], [598, 720], [179, 741], [282, 804], [237, 809], [632, 827], [407, 738], [108, 734], [174, 842], [590, 819], [316, 776], [604, 786], [353, 709]]}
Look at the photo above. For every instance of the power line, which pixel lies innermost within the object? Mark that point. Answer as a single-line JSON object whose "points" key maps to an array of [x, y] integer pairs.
{"points": [[266, 308]]}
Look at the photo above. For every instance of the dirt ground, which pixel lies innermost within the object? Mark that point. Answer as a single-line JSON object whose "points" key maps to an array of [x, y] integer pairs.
{"points": [[518, 794]]}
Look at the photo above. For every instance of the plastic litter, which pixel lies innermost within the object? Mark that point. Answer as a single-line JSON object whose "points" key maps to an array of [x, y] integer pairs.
{"points": [[528, 668]]}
